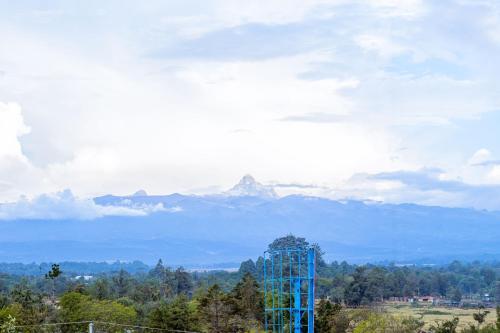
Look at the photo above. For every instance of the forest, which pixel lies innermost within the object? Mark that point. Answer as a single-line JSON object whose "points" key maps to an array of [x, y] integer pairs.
{"points": [[348, 296]]}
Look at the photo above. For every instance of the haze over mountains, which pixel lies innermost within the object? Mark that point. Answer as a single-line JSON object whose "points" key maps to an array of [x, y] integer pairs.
{"points": [[239, 223]]}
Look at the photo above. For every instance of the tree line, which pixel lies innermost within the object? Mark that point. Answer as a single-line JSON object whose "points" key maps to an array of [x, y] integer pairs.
{"points": [[224, 301]]}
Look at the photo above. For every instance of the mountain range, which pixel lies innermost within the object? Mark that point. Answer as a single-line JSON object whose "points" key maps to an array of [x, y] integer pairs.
{"points": [[199, 231]]}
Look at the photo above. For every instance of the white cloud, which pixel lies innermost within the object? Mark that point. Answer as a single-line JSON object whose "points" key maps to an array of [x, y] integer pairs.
{"points": [[380, 44], [358, 79], [494, 174], [17, 175], [408, 9], [425, 187], [64, 205], [480, 156], [221, 14], [12, 126]]}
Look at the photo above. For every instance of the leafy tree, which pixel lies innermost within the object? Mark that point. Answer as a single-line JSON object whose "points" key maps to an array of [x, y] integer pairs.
{"points": [[184, 284], [259, 266], [447, 326], [101, 289], [356, 290], [218, 309], [456, 295], [159, 271], [488, 275], [248, 266], [78, 307], [9, 326], [249, 301], [498, 319], [27, 306], [288, 241], [480, 316], [330, 318], [121, 283], [177, 315]]}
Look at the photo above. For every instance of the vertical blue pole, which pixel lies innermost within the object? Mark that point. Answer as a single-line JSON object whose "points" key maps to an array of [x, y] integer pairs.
{"points": [[265, 293], [290, 282], [273, 291], [298, 297], [296, 310], [311, 259], [280, 302]]}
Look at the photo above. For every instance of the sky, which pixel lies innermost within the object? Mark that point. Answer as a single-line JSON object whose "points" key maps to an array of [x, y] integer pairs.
{"points": [[385, 100]]}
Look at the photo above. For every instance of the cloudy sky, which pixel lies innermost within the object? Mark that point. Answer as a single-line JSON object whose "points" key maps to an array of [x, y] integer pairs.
{"points": [[386, 100]]}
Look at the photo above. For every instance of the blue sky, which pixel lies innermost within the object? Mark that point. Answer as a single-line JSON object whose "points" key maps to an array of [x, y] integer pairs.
{"points": [[346, 99]]}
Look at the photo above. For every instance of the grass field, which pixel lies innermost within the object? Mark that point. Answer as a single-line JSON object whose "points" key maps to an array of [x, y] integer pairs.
{"points": [[430, 314]]}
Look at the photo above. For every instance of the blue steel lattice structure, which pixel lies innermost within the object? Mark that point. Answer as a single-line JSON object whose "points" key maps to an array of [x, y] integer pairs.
{"points": [[289, 276]]}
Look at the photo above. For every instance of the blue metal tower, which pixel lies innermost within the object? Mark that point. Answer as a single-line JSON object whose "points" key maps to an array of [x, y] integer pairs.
{"points": [[289, 275]]}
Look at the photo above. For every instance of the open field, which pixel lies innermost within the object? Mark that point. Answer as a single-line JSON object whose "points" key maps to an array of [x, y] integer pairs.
{"points": [[430, 314]]}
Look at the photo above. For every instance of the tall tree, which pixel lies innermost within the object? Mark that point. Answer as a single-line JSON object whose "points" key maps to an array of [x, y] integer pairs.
{"points": [[52, 275], [121, 283], [184, 283], [218, 309], [248, 266], [101, 289], [249, 301], [159, 271]]}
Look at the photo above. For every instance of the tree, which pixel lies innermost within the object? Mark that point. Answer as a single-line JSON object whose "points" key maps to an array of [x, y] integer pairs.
{"points": [[456, 295], [388, 324], [447, 326], [184, 285], [76, 307], [248, 266], [9, 326], [330, 318], [289, 241], [498, 319], [480, 316], [355, 291], [259, 267], [27, 306], [489, 276], [218, 309], [101, 289], [249, 301], [159, 271], [177, 315], [121, 283], [53, 274]]}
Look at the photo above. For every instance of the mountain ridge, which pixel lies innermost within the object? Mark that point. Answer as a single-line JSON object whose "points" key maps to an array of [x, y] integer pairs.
{"points": [[230, 228]]}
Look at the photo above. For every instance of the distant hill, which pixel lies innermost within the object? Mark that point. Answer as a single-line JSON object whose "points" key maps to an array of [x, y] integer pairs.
{"points": [[203, 230], [74, 268]]}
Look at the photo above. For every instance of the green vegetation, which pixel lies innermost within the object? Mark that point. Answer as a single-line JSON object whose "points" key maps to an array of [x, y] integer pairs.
{"points": [[351, 298], [430, 314]]}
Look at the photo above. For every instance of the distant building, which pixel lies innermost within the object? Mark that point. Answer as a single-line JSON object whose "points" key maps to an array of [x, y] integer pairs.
{"points": [[487, 298], [84, 277], [422, 299]]}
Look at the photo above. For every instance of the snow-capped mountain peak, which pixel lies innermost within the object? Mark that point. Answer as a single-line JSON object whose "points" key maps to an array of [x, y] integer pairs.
{"points": [[248, 186], [140, 193]]}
